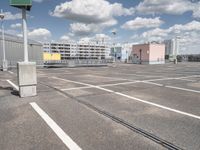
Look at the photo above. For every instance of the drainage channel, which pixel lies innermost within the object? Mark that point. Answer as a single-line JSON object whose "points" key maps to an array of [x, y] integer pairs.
{"points": [[122, 122]]}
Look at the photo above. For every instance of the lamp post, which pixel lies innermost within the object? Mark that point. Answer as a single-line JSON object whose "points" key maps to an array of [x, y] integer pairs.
{"points": [[26, 71], [24, 24], [4, 62]]}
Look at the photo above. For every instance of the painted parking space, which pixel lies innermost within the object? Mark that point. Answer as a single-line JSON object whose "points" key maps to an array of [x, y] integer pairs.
{"points": [[99, 106]]}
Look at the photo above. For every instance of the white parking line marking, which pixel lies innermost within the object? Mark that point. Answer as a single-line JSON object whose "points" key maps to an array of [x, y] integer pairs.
{"points": [[13, 85], [139, 75], [87, 86], [159, 106], [122, 83], [187, 80], [57, 130], [70, 81], [152, 83], [103, 85], [10, 72], [178, 78], [184, 89], [172, 87], [76, 88], [113, 78], [140, 100]]}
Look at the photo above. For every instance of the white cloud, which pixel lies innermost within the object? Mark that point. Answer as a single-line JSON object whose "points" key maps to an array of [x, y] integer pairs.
{"points": [[16, 26], [81, 29], [66, 38], [189, 33], [40, 34], [100, 38], [139, 22], [191, 26], [196, 12], [90, 11], [10, 16], [155, 33], [173, 7], [176, 7], [85, 40]]}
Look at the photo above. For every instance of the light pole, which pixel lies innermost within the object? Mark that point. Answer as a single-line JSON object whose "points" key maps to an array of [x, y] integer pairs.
{"points": [[24, 22], [26, 71], [4, 62]]}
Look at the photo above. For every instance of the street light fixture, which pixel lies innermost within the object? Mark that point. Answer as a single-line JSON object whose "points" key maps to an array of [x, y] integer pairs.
{"points": [[4, 62]]}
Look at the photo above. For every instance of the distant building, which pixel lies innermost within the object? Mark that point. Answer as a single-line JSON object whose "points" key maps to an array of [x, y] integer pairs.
{"points": [[150, 53], [171, 48], [122, 51], [77, 50], [14, 50], [116, 52]]}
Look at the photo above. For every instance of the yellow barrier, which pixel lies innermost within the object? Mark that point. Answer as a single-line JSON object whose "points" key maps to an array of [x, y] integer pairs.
{"points": [[51, 56]]}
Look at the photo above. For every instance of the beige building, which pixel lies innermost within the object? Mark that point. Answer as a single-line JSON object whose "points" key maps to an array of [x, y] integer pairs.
{"points": [[151, 53]]}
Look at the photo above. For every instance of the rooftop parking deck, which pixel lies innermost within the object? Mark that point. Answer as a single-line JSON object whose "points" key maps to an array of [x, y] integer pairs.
{"points": [[122, 106]]}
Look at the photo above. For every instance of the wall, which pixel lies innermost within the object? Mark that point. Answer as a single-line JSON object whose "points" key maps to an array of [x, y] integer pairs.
{"points": [[157, 54], [15, 52], [144, 53]]}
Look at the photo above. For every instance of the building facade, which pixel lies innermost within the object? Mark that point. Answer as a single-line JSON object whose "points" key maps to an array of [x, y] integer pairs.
{"points": [[171, 48], [150, 53], [14, 50], [76, 50], [121, 52]]}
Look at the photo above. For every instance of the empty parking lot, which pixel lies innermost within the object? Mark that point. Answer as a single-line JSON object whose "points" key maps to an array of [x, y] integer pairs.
{"points": [[121, 106]]}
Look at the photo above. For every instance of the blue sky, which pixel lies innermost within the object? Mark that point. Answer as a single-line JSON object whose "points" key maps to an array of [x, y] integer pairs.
{"points": [[135, 21]]}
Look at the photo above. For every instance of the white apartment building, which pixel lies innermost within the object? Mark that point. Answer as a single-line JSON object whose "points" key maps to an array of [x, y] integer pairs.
{"points": [[171, 47], [77, 50]]}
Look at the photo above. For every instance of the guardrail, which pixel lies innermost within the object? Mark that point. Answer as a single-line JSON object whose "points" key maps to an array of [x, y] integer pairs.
{"points": [[66, 63]]}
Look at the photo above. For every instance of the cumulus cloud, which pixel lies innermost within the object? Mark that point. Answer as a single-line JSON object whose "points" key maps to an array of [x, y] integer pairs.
{"points": [[173, 7], [139, 22], [189, 33], [162, 6], [196, 11], [64, 38], [11, 16], [90, 16], [81, 29], [40, 34], [90, 11], [100, 38], [16, 26]]}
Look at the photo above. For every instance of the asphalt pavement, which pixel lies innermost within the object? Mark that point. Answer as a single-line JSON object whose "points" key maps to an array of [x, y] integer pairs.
{"points": [[121, 106]]}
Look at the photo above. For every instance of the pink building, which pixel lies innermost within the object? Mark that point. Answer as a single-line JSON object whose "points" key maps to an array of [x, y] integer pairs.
{"points": [[150, 53]]}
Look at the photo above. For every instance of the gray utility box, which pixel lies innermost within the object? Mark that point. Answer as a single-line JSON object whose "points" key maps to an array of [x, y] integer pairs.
{"points": [[27, 79]]}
